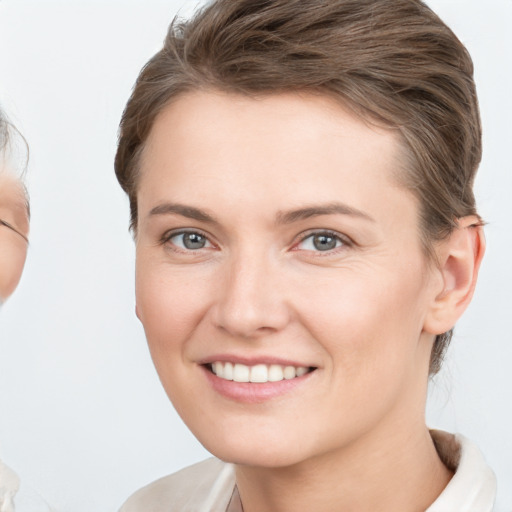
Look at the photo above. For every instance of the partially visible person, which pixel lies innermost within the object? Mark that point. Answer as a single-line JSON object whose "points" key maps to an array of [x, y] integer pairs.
{"points": [[14, 214], [300, 180], [14, 227]]}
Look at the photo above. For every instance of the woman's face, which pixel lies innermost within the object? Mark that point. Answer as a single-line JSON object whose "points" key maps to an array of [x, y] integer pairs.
{"points": [[272, 241], [13, 247]]}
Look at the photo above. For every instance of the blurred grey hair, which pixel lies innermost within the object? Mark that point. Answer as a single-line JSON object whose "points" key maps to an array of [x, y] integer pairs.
{"points": [[14, 152], [4, 132], [13, 146]]}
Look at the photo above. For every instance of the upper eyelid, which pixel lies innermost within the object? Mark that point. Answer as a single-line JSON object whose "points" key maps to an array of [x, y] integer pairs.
{"points": [[180, 231], [167, 235], [311, 232], [12, 228]]}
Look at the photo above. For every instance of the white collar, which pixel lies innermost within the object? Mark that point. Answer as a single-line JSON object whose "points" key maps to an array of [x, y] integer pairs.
{"points": [[473, 486], [9, 485]]}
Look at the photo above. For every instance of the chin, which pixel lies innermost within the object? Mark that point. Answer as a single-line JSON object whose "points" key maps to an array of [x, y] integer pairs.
{"points": [[254, 449], [255, 457]]}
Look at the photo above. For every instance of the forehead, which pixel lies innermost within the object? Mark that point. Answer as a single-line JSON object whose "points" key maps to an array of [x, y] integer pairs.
{"points": [[309, 113], [290, 140], [13, 199], [11, 188]]}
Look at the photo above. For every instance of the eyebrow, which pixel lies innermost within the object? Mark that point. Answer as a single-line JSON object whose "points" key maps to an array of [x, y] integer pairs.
{"points": [[190, 212], [318, 210], [288, 217]]}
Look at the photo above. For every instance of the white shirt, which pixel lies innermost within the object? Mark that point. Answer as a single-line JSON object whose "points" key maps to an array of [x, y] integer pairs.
{"points": [[9, 485], [210, 486], [16, 497]]}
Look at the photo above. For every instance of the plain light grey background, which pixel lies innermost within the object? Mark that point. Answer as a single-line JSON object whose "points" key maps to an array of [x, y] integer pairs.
{"points": [[83, 418]]}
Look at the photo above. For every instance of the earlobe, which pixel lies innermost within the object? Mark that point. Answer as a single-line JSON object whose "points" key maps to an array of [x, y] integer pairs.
{"points": [[459, 262]]}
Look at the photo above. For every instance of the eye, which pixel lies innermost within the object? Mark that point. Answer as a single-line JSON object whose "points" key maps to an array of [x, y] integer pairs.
{"points": [[189, 240], [321, 241]]}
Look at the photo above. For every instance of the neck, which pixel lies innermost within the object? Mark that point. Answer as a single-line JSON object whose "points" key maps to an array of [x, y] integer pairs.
{"points": [[403, 473]]}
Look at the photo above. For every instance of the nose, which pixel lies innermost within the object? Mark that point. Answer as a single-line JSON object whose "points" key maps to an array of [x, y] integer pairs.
{"points": [[251, 300]]}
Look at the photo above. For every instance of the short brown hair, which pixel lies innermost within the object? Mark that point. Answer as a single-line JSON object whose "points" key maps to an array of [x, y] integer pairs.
{"points": [[391, 61]]}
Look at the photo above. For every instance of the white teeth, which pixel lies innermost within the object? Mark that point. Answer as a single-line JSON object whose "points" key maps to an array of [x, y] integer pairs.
{"points": [[301, 370], [275, 373], [218, 369], [240, 373], [228, 371], [259, 373], [289, 372]]}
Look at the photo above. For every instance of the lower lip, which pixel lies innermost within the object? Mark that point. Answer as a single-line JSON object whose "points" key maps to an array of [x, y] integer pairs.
{"points": [[252, 392]]}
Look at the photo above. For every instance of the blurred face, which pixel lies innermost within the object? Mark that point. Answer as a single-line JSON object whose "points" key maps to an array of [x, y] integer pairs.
{"points": [[280, 277], [13, 229]]}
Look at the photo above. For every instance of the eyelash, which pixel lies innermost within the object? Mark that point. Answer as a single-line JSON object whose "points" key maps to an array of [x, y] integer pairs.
{"points": [[344, 241], [166, 239]]}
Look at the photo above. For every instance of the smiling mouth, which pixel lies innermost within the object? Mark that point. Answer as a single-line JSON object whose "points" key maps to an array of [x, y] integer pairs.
{"points": [[259, 373]]}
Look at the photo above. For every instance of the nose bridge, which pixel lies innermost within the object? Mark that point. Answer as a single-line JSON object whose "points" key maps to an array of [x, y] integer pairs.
{"points": [[250, 301]]}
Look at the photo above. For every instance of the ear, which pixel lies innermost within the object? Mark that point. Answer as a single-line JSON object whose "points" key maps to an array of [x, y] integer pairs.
{"points": [[459, 260]]}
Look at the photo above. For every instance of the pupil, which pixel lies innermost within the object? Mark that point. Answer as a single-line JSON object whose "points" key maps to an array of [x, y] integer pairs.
{"points": [[324, 242], [193, 241]]}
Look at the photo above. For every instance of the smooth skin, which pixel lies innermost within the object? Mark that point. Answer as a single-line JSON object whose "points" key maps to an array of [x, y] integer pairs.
{"points": [[235, 194], [13, 242]]}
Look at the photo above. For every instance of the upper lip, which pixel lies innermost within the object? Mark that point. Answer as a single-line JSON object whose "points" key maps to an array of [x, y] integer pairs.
{"points": [[252, 360]]}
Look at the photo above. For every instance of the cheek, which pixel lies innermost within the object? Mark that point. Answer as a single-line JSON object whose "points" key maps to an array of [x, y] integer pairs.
{"points": [[12, 260], [170, 304], [368, 321], [369, 327]]}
